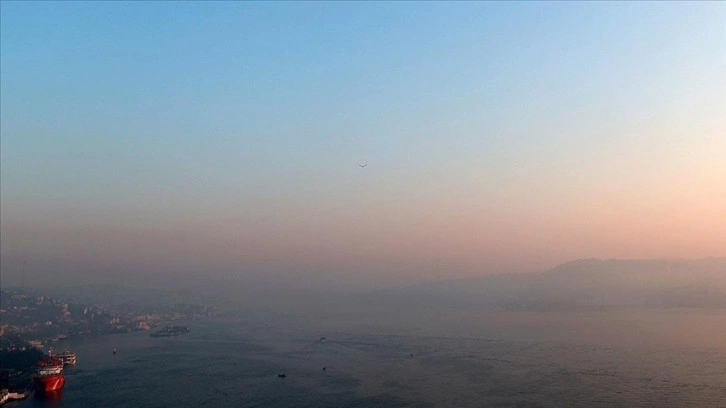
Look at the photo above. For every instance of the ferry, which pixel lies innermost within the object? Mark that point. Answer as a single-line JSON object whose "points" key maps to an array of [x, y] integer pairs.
{"points": [[170, 331], [68, 358]]}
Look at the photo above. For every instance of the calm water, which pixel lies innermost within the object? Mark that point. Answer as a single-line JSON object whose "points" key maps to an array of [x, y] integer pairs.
{"points": [[620, 358]]}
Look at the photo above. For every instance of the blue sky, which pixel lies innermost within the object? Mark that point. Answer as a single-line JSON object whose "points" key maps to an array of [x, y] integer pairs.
{"points": [[492, 132]]}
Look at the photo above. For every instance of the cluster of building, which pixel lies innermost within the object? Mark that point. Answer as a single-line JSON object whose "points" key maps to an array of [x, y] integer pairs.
{"points": [[28, 318]]}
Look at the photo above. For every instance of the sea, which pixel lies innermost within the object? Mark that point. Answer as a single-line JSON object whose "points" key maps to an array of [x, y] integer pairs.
{"points": [[596, 358]]}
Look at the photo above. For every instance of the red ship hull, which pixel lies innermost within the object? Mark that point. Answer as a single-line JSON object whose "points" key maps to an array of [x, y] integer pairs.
{"points": [[49, 384]]}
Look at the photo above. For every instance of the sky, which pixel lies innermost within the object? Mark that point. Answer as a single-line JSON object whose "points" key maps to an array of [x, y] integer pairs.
{"points": [[224, 139]]}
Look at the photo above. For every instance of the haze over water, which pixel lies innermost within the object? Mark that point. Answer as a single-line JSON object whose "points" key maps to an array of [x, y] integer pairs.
{"points": [[504, 360]]}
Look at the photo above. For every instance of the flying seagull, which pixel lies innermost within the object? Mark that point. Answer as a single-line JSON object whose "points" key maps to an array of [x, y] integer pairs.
{"points": [[362, 165]]}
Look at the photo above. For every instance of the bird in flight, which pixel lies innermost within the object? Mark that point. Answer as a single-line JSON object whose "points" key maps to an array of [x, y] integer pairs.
{"points": [[362, 165]]}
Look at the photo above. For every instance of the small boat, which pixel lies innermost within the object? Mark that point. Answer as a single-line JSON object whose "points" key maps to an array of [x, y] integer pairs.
{"points": [[114, 351], [282, 375]]}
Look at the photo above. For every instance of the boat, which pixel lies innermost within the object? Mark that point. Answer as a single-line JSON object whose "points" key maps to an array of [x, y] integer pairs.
{"points": [[49, 377], [68, 358], [170, 331]]}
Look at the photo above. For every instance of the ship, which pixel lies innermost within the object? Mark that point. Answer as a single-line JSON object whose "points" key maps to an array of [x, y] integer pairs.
{"points": [[49, 376], [170, 331], [68, 358]]}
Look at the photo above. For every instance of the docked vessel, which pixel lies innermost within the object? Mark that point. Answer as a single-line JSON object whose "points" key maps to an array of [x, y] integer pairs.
{"points": [[49, 376], [67, 357], [170, 331]]}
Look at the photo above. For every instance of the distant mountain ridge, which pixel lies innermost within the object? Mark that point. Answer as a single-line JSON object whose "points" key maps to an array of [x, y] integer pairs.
{"points": [[578, 284]]}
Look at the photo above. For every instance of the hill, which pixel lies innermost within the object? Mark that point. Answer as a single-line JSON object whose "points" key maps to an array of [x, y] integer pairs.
{"points": [[577, 284]]}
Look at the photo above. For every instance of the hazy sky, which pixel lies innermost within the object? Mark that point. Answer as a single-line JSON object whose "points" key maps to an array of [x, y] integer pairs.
{"points": [[225, 138]]}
